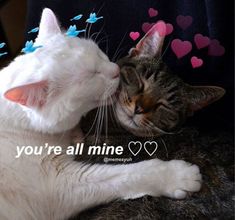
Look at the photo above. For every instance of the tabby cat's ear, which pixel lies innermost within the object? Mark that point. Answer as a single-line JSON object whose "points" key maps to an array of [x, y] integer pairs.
{"points": [[151, 44], [48, 25], [30, 95], [201, 96]]}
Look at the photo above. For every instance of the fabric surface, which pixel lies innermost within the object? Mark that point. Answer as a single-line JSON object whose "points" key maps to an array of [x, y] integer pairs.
{"points": [[212, 151]]}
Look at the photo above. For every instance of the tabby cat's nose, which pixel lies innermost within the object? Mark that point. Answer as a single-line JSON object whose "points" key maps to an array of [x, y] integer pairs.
{"points": [[138, 110]]}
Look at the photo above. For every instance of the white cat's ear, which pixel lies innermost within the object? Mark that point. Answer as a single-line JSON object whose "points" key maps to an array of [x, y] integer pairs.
{"points": [[48, 24], [151, 44], [30, 95]]}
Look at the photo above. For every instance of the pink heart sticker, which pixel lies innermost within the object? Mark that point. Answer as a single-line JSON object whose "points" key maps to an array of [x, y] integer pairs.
{"points": [[196, 62], [147, 26], [161, 28], [153, 12], [201, 41], [181, 48], [169, 28], [184, 21], [215, 48], [134, 35]]}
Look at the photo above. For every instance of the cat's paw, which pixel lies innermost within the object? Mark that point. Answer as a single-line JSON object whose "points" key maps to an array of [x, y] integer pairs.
{"points": [[181, 178]]}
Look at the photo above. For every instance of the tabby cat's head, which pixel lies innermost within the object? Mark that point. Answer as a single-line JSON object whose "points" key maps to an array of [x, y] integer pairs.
{"points": [[152, 101]]}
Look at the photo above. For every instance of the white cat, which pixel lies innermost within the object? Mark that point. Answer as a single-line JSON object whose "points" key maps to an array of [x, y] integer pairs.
{"points": [[43, 96]]}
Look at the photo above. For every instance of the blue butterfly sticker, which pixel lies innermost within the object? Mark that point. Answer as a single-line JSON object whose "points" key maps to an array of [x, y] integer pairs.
{"points": [[34, 30], [3, 54], [73, 32], [76, 18], [29, 47], [93, 18], [2, 45]]}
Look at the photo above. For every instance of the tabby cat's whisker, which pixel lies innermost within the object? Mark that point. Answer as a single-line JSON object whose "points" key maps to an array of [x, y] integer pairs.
{"points": [[156, 128], [149, 129], [162, 54], [167, 155], [125, 97]]}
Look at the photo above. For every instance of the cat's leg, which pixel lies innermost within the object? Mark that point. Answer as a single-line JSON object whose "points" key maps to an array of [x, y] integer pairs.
{"points": [[90, 185]]}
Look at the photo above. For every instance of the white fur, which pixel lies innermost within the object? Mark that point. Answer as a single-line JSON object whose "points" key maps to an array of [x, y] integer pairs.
{"points": [[51, 187]]}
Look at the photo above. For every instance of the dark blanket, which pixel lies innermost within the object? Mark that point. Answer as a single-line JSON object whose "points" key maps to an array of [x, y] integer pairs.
{"points": [[212, 151]]}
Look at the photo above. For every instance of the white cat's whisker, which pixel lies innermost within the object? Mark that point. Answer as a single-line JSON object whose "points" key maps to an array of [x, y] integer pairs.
{"points": [[107, 47], [119, 54], [118, 47], [98, 125], [93, 124], [105, 98], [106, 120], [103, 39], [101, 117], [85, 35], [113, 112], [101, 113], [114, 100], [89, 30], [97, 34]]}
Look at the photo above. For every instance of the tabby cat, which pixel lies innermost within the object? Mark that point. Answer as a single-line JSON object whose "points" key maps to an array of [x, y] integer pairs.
{"points": [[153, 101]]}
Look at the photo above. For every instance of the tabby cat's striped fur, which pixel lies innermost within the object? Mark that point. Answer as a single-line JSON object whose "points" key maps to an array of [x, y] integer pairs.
{"points": [[153, 101]]}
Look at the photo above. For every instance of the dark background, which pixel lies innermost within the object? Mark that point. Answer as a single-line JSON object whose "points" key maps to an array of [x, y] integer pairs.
{"points": [[213, 18]]}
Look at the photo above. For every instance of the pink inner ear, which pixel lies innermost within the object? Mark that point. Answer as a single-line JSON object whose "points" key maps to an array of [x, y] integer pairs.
{"points": [[161, 28], [151, 44], [31, 95]]}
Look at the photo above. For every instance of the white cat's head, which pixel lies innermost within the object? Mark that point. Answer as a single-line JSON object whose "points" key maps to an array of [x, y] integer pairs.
{"points": [[62, 80]]}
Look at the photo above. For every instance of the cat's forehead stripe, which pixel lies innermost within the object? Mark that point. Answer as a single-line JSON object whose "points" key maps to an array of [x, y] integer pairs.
{"points": [[130, 65]]}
